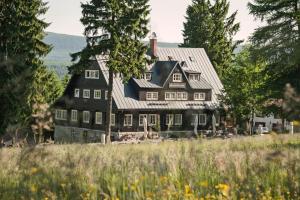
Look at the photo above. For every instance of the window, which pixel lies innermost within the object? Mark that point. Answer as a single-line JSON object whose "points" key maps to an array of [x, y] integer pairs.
{"points": [[178, 119], [92, 74], [97, 94], [86, 94], [170, 96], [195, 77], [182, 96], [152, 96], [61, 114], [77, 93], [199, 96], [106, 95], [152, 119], [142, 117], [202, 119], [194, 119], [148, 76], [86, 117], [177, 77], [113, 119], [128, 120], [169, 119], [74, 116], [98, 118]]}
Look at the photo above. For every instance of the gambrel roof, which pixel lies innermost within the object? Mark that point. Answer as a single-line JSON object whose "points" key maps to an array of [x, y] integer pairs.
{"points": [[195, 59]]}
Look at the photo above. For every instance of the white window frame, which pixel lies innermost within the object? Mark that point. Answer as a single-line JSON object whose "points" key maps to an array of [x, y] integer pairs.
{"points": [[61, 114], [98, 118], [148, 76], [113, 119], [205, 121], [92, 74], [177, 77], [129, 123], [74, 115], [170, 96], [77, 93], [84, 95], [182, 96], [83, 117], [176, 123], [141, 117], [169, 117], [199, 96], [152, 96], [149, 119], [95, 94]]}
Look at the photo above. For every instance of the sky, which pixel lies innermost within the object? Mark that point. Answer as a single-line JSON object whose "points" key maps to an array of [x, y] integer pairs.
{"points": [[167, 17]]}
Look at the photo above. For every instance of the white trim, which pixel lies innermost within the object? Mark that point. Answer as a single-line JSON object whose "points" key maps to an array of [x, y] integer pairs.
{"points": [[61, 114], [77, 93], [151, 96], [169, 119], [98, 118], [74, 115], [129, 123], [83, 117], [170, 96], [148, 76], [143, 116], [113, 119], [199, 96], [182, 96], [99, 93], [106, 94], [92, 74], [177, 77], [180, 121], [86, 96], [205, 121], [149, 119]]}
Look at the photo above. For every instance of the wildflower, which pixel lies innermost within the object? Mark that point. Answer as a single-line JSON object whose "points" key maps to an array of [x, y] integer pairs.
{"points": [[33, 171], [33, 188], [223, 188], [204, 184], [63, 185], [163, 179], [187, 189]]}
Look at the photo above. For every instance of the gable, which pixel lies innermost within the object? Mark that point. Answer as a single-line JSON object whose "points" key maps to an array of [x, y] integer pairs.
{"points": [[170, 83]]}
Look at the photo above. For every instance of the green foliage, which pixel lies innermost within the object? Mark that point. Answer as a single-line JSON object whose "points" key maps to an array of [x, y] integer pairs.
{"points": [[208, 26], [278, 41], [247, 168], [244, 83]]}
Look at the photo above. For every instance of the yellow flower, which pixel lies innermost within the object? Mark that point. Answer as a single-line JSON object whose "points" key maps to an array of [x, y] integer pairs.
{"points": [[33, 189], [33, 171], [223, 188], [204, 184], [187, 189], [63, 185], [163, 179]]}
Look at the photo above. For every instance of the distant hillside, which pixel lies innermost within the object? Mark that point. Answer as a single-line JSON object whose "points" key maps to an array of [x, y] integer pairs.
{"points": [[64, 44]]}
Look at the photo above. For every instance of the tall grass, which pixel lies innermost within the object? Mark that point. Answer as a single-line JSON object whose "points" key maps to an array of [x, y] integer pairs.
{"points": [[265, 167]]}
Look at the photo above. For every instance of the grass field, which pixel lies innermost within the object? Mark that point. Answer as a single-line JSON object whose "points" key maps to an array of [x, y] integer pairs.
{"points": [[262, 167]]}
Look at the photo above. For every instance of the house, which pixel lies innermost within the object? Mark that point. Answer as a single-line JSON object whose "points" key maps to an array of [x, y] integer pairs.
{"points": [[181, 87]]}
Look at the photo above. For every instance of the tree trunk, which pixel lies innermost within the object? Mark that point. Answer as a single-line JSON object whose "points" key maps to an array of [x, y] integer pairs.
{"points": [[109, 106]]}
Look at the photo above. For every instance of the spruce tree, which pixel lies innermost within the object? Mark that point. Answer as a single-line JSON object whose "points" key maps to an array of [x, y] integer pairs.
{"points": [[278, 41], [21, 52], [208, 26], [114, 28]]}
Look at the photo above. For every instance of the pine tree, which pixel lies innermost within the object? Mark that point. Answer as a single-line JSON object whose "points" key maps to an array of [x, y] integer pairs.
{"points": [[278, 41], [207, 26], [114, 28], [21, 50]]}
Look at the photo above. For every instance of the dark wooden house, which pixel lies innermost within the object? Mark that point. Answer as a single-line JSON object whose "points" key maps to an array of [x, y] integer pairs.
{"points": [[181, 87]]}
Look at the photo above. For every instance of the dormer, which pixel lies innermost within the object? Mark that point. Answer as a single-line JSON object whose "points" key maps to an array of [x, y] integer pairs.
{"points": [[193, 75], [147, 76]]}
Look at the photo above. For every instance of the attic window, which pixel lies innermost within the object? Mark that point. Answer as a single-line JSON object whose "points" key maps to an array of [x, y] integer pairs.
{"points": [[177, 77], [148, 76], [194, 77], [192, 59]]}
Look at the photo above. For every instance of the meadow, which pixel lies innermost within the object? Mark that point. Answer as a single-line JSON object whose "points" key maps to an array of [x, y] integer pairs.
{"points": [[261, 167]]}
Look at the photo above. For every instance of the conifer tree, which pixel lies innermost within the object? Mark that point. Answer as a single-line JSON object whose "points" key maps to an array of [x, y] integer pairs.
{"points": [[114, 28], [278, 41], [21, 50], [208, 26]]}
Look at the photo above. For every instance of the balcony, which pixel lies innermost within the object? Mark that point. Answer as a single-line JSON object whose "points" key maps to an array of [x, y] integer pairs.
{"points": [[177, 85]]}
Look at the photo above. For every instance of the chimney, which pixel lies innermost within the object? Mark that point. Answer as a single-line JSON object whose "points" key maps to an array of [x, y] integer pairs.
{"points": [[153, 44]]}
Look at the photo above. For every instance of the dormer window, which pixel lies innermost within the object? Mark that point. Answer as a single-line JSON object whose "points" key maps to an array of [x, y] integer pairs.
{"points": [[177, 77], [147, 76], [194, 77], [92, 74]]}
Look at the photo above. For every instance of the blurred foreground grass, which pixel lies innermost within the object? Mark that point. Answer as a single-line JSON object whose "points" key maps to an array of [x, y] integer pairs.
{"points": [[263, 167]]}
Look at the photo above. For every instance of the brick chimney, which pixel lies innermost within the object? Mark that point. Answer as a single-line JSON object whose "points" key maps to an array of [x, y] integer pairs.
{"points": [[153, 44]]}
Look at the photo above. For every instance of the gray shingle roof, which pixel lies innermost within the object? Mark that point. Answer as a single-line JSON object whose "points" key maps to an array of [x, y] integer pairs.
{"points": [[126, 99]]}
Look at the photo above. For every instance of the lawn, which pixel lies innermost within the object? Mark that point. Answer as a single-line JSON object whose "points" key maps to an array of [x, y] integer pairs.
{"points": [[261, 167]]}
